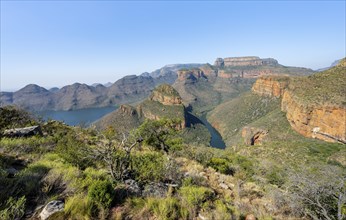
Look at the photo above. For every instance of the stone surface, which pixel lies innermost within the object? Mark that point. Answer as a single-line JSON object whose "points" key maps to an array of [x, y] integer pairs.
{"points": [[244, 61], [23, 132], [323, 122], [51, 208], [250, 217], [133, 187], [155, 190], [271, 86], [166, 95], [253, 136]]}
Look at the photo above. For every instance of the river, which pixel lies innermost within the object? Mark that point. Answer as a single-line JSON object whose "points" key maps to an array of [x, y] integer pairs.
{"points": [[216, 139]]}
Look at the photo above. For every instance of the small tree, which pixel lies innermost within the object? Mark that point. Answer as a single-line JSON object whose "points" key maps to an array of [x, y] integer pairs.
{"points": [[160, 134], [115, 151], [319, 192]]}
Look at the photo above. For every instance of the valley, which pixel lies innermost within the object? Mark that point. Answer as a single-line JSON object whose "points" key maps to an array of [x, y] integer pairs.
{"points": [[195, 141]]}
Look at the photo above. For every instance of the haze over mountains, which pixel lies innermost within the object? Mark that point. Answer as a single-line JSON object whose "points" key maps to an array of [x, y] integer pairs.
{"points": [[186, 78]]}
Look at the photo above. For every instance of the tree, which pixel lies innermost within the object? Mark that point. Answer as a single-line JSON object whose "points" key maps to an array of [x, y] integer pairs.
{"points": [[319, 192], [115, 151], [160, 134]]}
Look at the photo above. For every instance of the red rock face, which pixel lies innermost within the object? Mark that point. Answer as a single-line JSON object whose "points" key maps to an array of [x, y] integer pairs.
{"points": [[271, 86], [322, 122], [193, 74], [224, 74]]}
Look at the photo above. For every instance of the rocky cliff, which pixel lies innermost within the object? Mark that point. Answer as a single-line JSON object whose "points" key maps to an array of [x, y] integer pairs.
{"points": [[164, 102], [244, 61], [166, 95], [315, 106], [325, 122], [271, 86]]}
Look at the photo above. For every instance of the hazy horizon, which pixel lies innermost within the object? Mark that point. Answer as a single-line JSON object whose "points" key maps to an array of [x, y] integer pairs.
{"points": [[53, 44]]}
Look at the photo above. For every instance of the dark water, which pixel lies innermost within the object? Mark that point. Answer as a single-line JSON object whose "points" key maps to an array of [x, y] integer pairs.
{"points": [[216, 139], [77, 117]]}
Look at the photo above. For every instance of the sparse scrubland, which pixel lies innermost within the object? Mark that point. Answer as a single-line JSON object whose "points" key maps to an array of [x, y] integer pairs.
{"points": [[162, 168], [150, 173]]}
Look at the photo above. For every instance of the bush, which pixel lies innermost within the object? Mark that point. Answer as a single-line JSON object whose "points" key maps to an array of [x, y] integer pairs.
{"points": [[164, 209], [102, 193], [149, 167], [194, 195], [13, 209], [74, 151], [79, 206], [221, 165]]}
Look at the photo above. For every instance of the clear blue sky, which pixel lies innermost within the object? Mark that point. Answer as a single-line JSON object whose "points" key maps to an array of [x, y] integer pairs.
{"points": [[54, 43]]}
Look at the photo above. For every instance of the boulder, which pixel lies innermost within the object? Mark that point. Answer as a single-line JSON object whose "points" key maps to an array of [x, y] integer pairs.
{"points": [[133, 187], [23, 132], [253, 136], [155, 190], [51, 208], [250, 217]]}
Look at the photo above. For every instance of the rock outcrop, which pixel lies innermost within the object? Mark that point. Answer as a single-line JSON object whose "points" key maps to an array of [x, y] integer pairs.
{"points": [[315, 106], [164, 102], [190, 75], [244, 61], [253, 136], [325, 122], [51, 208], [166, 95], [271, 86], [23, 132]]}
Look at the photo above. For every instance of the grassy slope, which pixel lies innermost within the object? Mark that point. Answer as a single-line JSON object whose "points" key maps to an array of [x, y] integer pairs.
{"points": [[327, 87], [230, 117]]}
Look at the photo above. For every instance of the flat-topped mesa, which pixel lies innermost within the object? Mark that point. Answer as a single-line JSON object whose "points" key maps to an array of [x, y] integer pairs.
{"points": [[271, 86], [190, 74], [244, 61], [166, 95]]}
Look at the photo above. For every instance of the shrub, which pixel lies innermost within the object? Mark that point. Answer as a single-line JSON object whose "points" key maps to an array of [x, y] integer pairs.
{"points": [[101, 192], [194, 195], [276, 176], [79, 206], [14, 209], [164, 209], [74, 151], [221, 165], [149, 167]]}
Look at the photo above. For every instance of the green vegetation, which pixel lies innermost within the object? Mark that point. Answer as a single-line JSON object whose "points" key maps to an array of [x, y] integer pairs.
{"points": [[152, 172], [327, 87], [230, 117]]}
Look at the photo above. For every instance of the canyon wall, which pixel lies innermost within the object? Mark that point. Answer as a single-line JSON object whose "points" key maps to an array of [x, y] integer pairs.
{"points": [[315, 120], [324, 122], [244, 61], [272, 86]]}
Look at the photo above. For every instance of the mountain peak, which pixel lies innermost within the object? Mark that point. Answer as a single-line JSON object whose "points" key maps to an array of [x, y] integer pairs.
{"points": [[166, 95]]}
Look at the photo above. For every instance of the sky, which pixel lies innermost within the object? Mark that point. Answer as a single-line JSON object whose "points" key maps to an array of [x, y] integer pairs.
{"points": [[56, 43]]}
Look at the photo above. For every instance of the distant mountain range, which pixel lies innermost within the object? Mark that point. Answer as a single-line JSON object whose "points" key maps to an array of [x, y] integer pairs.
{"points": [[186, 78], [336, 62]]}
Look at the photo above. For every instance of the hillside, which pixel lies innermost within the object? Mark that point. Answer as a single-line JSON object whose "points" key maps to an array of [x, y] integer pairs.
{"points": [[206, 87], [74, 173], [314, 107], [216, 84], [164, 102]]}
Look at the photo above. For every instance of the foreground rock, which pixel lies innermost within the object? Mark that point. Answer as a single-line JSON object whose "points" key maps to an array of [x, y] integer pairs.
{"points": [[51, 208], [23, 132]]}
